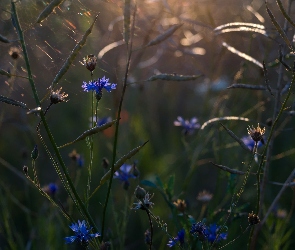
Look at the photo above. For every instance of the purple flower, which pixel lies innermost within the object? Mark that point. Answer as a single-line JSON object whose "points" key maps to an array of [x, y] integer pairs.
{"points": [[124, 174], [98, 85], [248, 141], [200, 230], [179, 238], [82, 234], [213, 234], [188, 126]]}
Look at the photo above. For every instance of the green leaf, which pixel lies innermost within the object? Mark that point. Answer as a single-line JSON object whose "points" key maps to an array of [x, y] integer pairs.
{"points": [[13, 102], [159, 182], [90, 132], [170, 186], [148, 183], [4, 39]]}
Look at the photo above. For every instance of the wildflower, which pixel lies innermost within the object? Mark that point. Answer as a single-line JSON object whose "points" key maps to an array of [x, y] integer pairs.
{"points": [[90, 62], [188, 126], [248, 141], [98, 85], [14, 52], [57, 97], [253, 218], [77, 158], [256, 133], [179, 238], [204, 196], [82, 234], [200, 230], [213, 234], [50, 189], [180, 205], [124, 174], [281, 213], [99, 122], [145, 203]]}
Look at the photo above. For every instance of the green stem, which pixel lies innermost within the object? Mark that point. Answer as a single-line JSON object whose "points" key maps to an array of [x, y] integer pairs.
{"points": [[37, 100]]}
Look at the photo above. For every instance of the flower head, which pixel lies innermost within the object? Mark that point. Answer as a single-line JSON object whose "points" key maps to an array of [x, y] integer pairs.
{"points": [[124, 174], [200, 230], [253, 219], [250, 143], [180, 205], [90, 62], [204, 196], [188, 126], [179, 238], [50, 189], [256, 133], [57, 97], [98, 85], [77, 158], [82, 234], [144, 203], [14, 52], [213, 234]]}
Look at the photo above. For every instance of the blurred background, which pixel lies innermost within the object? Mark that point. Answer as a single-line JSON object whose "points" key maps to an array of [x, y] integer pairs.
{"points": [[181, 162]]}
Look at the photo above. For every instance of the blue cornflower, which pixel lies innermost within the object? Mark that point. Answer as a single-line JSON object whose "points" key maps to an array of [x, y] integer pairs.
{"points": [[50, 189], [188, 126], [213, 231], [179, 238], [248, 141], [98, 85], [99, 121], [200, 230], [124, 174], [82, 234]]}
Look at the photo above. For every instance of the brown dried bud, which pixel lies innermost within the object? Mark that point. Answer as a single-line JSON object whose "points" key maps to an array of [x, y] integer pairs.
{"points": [[204, 196], [90, 62], [253, 218], [180, 205], [25, 169], [14, 52], [57, 97], [256, 133]]}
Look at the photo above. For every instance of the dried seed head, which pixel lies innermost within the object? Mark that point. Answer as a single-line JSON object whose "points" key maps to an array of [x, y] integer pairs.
{"points": [[180, 205], [256, 133], [74, 155], [253, 218], [57, 97], [90, 62], [204, 196], [14, 52]]}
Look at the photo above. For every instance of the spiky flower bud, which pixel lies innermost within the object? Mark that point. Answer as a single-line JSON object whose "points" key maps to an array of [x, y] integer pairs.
{"points": [[256, 133], [90, 62], [140, 193], [253, 219], [180, 205], [57, 97], [35, 153], [14, 52]]}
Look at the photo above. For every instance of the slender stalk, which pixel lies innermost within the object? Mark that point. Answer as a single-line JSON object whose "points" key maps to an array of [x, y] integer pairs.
{"points": [[129, 49], [151, 228], [37, 100]]}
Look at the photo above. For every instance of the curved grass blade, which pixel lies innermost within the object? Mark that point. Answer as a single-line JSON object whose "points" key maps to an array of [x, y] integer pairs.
{"points": [[225, 118], [242, 144], [4, 39], [229, 170], [253, 25], [117, 165], [246, 86], [109, 47], [126, 28], [73, 55], [5, 73], [242, 28], [91, 132], [48, 10], [241, 54], [278, 28], [13, 102], [173, 77], [285, 13], [164, 36]]}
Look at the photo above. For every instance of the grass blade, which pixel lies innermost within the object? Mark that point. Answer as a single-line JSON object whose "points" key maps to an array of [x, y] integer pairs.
{"points": [[13, 102], [173, 77], [48, 10]]}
